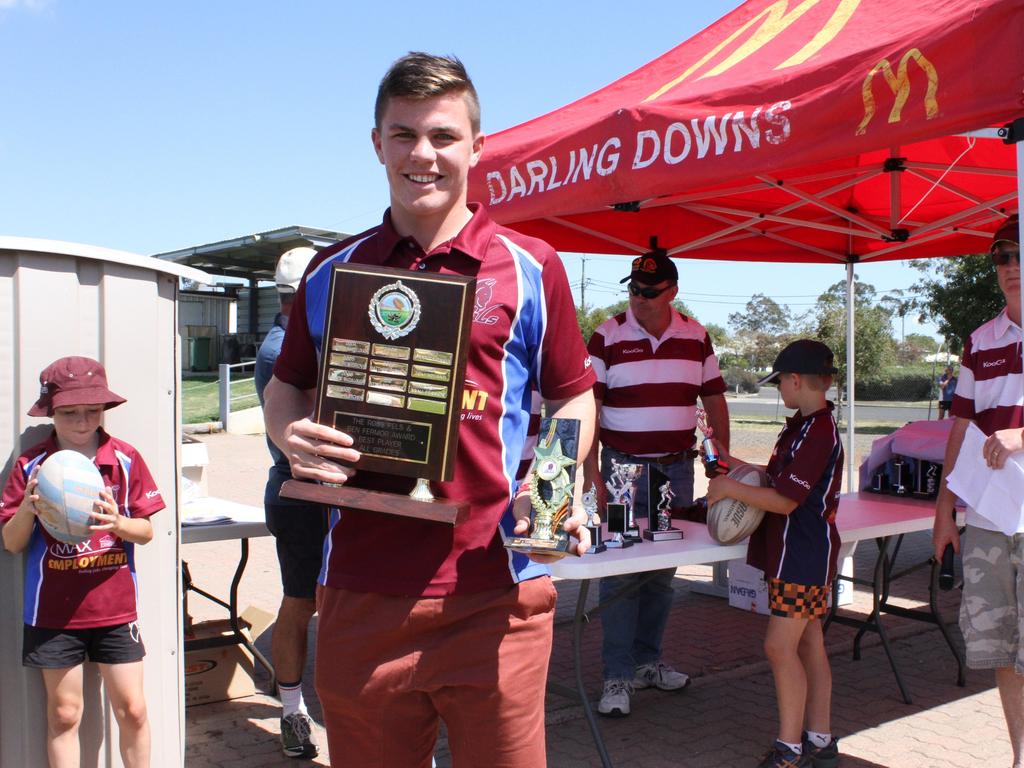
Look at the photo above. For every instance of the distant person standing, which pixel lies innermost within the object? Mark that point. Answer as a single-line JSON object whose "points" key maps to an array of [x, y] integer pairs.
{"points": [[299, 529], [989, 396], [947, 388]]}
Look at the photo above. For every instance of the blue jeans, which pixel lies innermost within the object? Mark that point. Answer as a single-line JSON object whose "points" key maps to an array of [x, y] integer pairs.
{"points": [[634, 625]]}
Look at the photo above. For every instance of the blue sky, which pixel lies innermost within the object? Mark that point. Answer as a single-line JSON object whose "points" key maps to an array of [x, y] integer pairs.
{"points": [[152, 126]]}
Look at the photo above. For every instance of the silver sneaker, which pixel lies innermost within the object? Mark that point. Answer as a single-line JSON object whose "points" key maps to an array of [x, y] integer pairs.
{"points": [[297, 736], [661, 676], [615, 698]]}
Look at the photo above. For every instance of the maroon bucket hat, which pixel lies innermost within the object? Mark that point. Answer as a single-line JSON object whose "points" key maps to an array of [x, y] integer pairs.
{"points": [[73, 381]]}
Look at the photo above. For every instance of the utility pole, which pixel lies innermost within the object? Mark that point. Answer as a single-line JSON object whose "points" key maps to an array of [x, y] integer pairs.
{"points": [[583, 283]]}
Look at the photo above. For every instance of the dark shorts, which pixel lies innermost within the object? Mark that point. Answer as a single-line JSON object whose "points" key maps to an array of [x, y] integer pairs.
{"points": [[62, 648], [945, 404], [299, 530], [797, 601]]}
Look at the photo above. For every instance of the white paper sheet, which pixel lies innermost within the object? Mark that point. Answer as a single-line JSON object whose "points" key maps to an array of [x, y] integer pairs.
{"points": [[995, 494]]}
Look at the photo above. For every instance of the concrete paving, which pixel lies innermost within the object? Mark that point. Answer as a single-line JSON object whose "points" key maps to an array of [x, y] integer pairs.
{"points": [[725, 718]]}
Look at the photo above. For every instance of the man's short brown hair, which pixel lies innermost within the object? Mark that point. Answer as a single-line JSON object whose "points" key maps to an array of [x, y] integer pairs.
{"points": [[425, 76]]}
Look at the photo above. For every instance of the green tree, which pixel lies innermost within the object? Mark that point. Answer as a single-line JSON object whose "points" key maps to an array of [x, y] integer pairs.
{"points": [[763, 315], [719, 336], [958, 294], [762, 329], [873, 340]]}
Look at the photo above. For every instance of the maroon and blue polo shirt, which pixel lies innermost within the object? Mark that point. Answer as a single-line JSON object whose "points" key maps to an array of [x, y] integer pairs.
{"points": [[92, 584], [806, 467], [524, 337]]}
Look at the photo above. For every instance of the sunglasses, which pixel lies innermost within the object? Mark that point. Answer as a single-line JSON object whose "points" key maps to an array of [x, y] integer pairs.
{"points": [[647, 293], [1003, 256]]}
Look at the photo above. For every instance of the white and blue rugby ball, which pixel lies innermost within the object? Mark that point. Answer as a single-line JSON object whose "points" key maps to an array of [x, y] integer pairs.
{"points": [[730, 520], [70, 484]]}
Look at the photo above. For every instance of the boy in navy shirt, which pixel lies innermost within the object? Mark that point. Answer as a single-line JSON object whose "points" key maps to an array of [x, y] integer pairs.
{"points": [[797, 547]]}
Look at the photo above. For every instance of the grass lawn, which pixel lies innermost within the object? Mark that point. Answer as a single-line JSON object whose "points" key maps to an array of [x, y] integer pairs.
{"points": [[200, 399]]}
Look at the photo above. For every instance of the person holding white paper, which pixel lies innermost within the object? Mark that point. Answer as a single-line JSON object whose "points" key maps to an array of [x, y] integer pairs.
{"points": [[990, 394]]}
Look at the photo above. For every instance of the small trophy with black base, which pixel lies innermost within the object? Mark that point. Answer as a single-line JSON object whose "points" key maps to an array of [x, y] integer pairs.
{"points": [[622, 487], [552, 481], [593, 521], [659, 518]]}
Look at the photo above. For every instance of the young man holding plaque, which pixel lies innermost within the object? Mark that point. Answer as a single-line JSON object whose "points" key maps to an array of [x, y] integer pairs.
{"points": [[652, 363], [420, 620]]}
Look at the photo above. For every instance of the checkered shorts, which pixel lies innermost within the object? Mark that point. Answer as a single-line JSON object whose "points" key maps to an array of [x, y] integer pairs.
{"points": [[797, 601]]}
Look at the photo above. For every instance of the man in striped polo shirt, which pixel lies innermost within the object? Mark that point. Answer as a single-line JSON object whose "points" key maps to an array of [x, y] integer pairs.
{"points": [[652, 363], [990, 393]]}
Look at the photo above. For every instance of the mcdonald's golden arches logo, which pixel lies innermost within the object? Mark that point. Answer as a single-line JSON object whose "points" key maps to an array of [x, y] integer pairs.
{"points": [[899, 84]]}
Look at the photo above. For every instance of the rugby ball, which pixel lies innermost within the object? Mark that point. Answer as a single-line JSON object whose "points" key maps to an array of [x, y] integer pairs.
{"points": [[69, 483], [730, 520]]}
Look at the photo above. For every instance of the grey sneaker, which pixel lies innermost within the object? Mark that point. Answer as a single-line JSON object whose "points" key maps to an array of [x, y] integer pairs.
{"points": [[615, 698], [297, 736], [661, 676]]}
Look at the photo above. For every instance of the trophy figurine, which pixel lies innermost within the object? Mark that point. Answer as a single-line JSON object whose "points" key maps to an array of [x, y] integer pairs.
{"points": [[659, 526], [593, 521], [713, 463], [622, 487], [552, 481]]}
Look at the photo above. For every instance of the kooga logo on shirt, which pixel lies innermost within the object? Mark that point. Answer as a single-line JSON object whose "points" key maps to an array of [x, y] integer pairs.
{"points": [[633, 351], [798, 481], [993, 363]]}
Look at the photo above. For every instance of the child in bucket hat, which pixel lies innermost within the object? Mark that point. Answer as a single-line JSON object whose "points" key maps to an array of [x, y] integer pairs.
{"points": [[73, 381], [81, 602]]}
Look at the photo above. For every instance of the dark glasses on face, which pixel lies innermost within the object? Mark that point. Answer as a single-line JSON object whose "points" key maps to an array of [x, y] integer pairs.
{"points": [[1003, 256], [647, 293]]}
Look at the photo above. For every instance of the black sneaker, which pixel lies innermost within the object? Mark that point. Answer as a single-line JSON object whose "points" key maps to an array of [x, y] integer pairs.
{"points": [[781, 756], [822, 757], [297, 736]]}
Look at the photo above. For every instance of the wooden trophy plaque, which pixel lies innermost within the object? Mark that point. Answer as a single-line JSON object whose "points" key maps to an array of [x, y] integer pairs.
{"points": [[393, 362]]}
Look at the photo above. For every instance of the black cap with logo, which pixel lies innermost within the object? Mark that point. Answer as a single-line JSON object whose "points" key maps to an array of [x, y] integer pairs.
{"points": [[803, 356], [653, 267]]}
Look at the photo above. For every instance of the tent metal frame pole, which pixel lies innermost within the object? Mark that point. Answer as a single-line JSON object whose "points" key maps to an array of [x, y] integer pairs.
{"points": [[1019, 147], [850, 421]]}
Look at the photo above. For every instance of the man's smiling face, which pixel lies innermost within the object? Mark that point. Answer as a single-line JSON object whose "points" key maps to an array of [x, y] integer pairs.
{"points": [[427, 147]]}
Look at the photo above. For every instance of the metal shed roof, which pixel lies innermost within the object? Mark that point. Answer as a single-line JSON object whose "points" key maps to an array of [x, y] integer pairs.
{"points": [[251, 257], [39, 245]]}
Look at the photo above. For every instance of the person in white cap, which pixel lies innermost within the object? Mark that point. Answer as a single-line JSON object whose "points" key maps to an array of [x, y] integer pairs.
{"points": [[299, 529]]}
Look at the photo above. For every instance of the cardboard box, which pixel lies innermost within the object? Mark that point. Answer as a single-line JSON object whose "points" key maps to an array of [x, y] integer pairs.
{"points": [[749, 591], [225, 671]]}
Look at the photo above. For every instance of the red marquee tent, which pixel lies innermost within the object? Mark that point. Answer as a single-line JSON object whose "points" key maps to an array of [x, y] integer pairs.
{"points": [[790, 130]]}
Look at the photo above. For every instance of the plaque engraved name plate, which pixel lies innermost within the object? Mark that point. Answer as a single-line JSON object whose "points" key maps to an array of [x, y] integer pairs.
{"points": [[391, 376]]}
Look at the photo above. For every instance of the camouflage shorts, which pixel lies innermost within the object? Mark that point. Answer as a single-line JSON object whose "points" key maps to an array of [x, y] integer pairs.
{"points": [[992, 608]]}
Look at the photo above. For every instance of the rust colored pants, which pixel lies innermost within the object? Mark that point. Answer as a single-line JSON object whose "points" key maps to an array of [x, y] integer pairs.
{"points": [[387, 668]]}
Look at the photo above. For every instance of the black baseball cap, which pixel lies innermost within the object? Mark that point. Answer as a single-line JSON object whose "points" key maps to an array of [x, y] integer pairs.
{"points": [[653, 267], [802, 356]]}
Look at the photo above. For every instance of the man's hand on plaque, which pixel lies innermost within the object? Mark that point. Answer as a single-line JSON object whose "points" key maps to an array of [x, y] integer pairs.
{"points": [[316, 452]]}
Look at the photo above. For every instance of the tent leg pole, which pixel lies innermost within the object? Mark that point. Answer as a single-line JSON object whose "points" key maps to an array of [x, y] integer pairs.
{"points": [[851, 485]]}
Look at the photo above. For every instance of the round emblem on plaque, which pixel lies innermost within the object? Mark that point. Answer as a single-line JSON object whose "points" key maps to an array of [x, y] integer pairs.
{"points": [[394, 310]]}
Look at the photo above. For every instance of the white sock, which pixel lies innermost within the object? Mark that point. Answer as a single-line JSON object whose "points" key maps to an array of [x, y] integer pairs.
{"points": [[291, 698], [795, 748], [819, 739]]}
